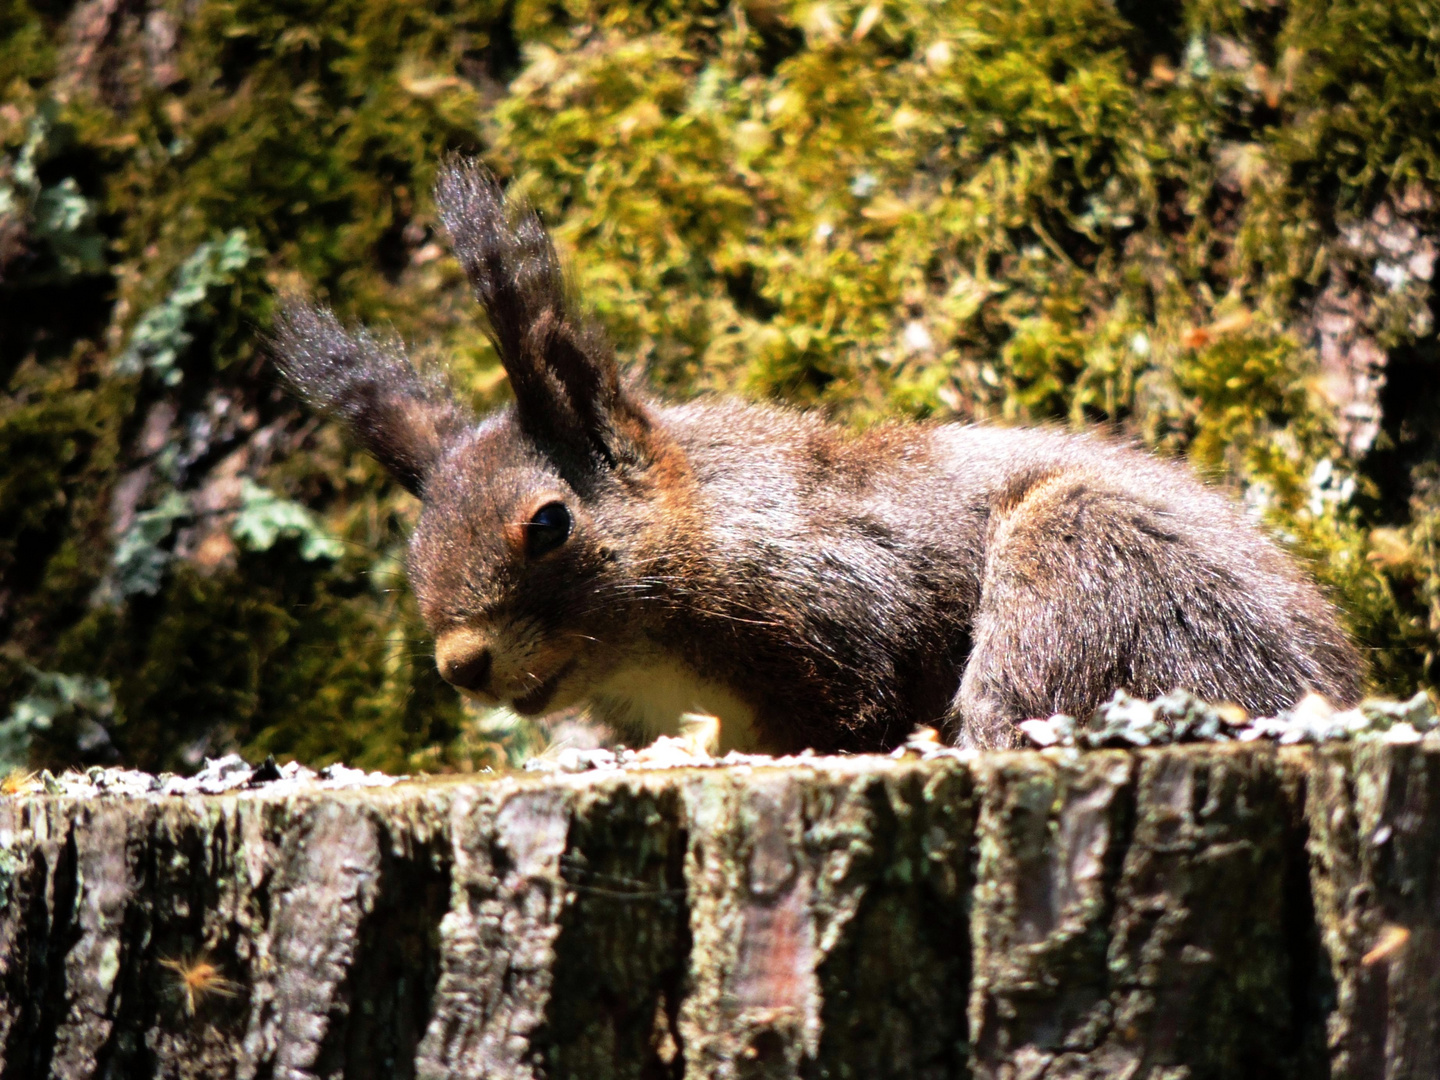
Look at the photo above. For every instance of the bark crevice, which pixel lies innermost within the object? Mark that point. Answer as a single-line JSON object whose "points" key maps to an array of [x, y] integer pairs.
{"points": [[387, 999], [48, 888]]}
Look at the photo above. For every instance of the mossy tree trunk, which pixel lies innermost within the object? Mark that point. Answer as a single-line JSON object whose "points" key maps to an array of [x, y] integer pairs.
{"points": [[1199, 911]]}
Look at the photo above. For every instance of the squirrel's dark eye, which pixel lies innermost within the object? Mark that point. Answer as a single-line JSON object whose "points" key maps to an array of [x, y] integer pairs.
{"points": [[547, 530]]}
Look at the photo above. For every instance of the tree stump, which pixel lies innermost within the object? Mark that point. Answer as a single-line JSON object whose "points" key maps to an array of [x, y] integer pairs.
{"points": [[1192, 911]]}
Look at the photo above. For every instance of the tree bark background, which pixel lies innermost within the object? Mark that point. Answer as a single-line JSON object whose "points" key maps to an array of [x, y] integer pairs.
{"points": [[1184, 912]]}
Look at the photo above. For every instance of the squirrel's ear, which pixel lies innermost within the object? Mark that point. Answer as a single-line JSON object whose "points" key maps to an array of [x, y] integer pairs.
{"points": [[567, 386], [403, 418]]}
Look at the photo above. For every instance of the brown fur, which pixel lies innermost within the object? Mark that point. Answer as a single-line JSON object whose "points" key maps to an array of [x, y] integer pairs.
{"points": [[828, 589]]}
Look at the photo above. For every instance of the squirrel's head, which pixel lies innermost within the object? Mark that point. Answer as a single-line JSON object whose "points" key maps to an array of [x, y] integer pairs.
{"points": [[539, 520]]}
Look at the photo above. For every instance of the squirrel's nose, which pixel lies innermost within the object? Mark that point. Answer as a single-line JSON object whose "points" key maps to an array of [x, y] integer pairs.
{"points": [[468, 672], [464, 660]]}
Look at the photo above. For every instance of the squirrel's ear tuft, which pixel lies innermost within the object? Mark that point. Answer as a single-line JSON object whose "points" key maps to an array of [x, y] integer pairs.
{"points": [[567, 386], [401, 417]]}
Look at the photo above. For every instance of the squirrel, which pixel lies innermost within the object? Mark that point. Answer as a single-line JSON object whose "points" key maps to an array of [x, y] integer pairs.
{"points": [[811, 586]]}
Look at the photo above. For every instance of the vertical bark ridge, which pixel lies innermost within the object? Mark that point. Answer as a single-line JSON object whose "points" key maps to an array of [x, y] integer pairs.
{"points": [[497, 940], [752, 998], [624, 943], [1200, 953], [829, 920], [319, 903], [101, 885], [893, 981], [1375, 824], [1051, 836], [181, 866], [1312, 982], [386, 1001], [40, 928]]}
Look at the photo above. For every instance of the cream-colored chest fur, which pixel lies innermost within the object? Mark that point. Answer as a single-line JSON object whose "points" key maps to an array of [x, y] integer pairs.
{"points": [[646, 699]]}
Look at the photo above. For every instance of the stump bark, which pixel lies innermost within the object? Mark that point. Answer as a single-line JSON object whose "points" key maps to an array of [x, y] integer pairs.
{"points": [[1195, 911]]}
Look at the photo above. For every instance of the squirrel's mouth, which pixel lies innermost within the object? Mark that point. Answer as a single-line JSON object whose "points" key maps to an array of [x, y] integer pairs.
{"points": [[535, 701]]}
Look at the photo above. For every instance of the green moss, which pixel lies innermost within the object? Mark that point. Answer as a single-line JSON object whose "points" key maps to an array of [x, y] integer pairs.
{"points": [[27, 48], [1367, 80]]}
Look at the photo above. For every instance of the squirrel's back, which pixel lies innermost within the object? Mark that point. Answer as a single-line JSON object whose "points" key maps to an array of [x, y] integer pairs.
{"points": [[876, 566]]}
